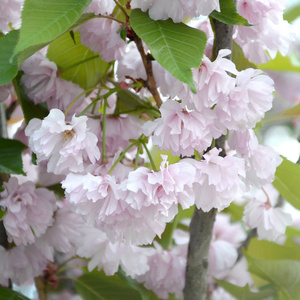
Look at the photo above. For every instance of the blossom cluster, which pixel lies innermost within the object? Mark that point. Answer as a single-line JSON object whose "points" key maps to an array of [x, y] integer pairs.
{"points": [[115, 207]]}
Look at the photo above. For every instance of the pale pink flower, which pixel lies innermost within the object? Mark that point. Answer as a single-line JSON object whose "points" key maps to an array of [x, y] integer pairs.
{"points": [[39, 78], [157, 194], [212, 81], [269, 31], [102, 35], [42, 83], [101, 7], [109, 256], [260, 161], [65, 92], [167, 271], [226, 238], [131, 64], [22, 263], [100, 198], [10, 12], [64, 235], [29, 211], [262, 214], [66, 146], [247, 102], [181, 130], [177, 10], [261, 166], [244, 142], [219, 180]]}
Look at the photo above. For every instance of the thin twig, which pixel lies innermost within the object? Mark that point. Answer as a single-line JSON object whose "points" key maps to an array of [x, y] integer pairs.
{"points": [[147, 61]]}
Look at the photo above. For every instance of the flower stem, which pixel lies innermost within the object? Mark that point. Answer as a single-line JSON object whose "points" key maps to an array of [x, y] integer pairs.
{"points": [[80, 95], [104, 156], [103, 96], [137, 157], [122, 155], [150, 156]]}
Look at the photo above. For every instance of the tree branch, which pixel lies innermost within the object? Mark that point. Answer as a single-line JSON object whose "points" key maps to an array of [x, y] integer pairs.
{"points": [[147, 61], [196, 281]]}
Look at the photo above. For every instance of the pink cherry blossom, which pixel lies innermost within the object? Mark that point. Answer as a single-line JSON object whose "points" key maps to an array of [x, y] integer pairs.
{"points": [[66, 146], [226, 238], [218, 180], [102, 35], [167, 271], [39, 78], [22, 263], [100, 7], [269, 31], [42, 83], [101, 199], [262, 214], [181, 130], [10, 12], [157, 194], [177, 10], [29, 211], [248, 101], [109, 256]]}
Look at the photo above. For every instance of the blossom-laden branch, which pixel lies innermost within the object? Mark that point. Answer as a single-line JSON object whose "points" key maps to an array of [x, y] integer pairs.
{"points": [[196, 281]]}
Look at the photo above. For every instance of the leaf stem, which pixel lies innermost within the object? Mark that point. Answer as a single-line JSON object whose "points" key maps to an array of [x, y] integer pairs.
{"points": [[78, 63]]}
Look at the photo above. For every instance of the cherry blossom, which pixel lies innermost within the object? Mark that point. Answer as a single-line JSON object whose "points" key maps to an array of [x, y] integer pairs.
{"points": [[101, 35], [262, 214], [66, 146], [29, 211]]}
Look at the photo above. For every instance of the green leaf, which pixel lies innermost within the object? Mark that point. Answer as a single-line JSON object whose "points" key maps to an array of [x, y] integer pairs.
{"points": [[45, 20], [244, 292], [280, 64], [30, 110], [292, 13], [272, 251], [130, 103], [9, 67], [285, 274], [2, 212], [287, 182], [8, 294], [239, 59], [10, 156], [228, 14], [98, 286], [293, 112], [8, 70], [76, 61], [176, 46], [236, 211], [145, 294]]}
